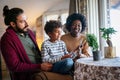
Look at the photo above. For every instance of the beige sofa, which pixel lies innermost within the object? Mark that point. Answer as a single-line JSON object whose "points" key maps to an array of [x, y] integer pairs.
{"points": [[51, 76]]}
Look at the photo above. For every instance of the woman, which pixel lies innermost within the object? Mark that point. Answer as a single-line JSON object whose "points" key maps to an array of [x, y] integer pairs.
{"points": [[74, 39]]}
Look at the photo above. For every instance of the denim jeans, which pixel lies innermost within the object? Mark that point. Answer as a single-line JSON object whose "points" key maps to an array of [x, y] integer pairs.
{"points": [[64, 66]]}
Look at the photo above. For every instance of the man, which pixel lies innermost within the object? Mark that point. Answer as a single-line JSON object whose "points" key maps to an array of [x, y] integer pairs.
{"points": [[19, 47]]}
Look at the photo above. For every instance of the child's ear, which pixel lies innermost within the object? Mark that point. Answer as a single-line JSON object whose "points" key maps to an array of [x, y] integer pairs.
{"points": [[49, 33]]}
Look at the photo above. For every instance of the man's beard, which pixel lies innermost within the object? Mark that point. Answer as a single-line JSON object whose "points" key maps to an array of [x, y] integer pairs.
{"points": [[19, 30]]}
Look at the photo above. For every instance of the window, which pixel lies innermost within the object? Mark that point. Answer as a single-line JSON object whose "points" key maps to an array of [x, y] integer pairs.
{"points": [[114, 19], [63, 18], [109, 12], [51, 17]]}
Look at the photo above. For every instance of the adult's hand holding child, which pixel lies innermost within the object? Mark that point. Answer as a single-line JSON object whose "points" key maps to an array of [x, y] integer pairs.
{"points": [[46, 66]]}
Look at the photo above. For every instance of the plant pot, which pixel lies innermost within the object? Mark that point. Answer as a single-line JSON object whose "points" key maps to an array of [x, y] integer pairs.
{"points": [[96, 55], [110, 52]]}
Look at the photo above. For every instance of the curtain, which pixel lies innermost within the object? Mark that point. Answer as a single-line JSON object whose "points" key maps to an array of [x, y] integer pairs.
{"points": [[78, 6], [74, 6]]}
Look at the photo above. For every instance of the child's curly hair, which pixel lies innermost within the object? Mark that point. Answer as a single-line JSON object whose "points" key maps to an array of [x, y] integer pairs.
{"points": [[50, 25]]}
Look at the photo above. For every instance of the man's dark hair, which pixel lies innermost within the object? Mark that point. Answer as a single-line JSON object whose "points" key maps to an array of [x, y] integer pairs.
{"points": [[11, 14], [51, 25], [73, 17]]}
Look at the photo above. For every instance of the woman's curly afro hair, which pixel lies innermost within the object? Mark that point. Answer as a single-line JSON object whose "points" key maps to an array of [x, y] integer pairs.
{"points": [[73, 17]]}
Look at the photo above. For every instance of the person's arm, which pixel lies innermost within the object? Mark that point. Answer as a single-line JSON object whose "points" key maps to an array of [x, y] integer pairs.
{"points": [[84, 48], [13, 60], [66, 53], [14, 63]]}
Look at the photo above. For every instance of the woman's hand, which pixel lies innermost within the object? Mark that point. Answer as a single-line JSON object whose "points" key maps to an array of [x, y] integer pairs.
{"points": [[66, 56]]}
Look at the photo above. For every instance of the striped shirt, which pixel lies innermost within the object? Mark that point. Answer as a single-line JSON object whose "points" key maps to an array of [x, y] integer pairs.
{"points": [[53, 52]]}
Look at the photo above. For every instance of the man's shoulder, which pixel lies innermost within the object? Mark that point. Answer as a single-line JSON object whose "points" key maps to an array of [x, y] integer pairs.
{"points": [[10, 33]]}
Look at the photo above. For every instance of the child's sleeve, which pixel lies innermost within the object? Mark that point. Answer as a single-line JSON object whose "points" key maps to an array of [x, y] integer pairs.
{"points": [[45, 53]]}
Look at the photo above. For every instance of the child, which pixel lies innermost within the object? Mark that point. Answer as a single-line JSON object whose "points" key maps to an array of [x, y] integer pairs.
{"points": [[54, 50]]}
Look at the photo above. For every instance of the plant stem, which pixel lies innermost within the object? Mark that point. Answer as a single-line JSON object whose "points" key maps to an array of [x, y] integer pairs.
{"points": [[109, 42]]}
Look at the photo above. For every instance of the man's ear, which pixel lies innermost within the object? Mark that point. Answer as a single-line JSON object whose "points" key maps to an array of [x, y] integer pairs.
{"points": [[12, 24]]}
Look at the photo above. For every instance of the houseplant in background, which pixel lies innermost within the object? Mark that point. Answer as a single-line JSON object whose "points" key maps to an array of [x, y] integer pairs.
{"points": [[109, 51], [92, 41]]}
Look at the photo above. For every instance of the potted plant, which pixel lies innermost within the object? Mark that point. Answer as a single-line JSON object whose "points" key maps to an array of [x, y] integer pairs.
{"points": [[92, 41], [109, 50]]}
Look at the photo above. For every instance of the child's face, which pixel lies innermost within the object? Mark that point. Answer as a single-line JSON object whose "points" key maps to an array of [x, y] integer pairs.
{"points": [[55, 35]]}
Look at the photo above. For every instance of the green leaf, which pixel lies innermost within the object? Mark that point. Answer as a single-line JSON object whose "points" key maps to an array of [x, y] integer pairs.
{"points": [[92, 41], [107, 32]]}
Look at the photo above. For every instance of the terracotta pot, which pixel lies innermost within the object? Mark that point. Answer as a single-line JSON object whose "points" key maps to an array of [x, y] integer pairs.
{"points": [[110, 52]]}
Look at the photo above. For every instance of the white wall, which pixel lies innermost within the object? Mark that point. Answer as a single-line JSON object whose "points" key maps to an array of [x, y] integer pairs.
{"points": [[33, 8]]}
